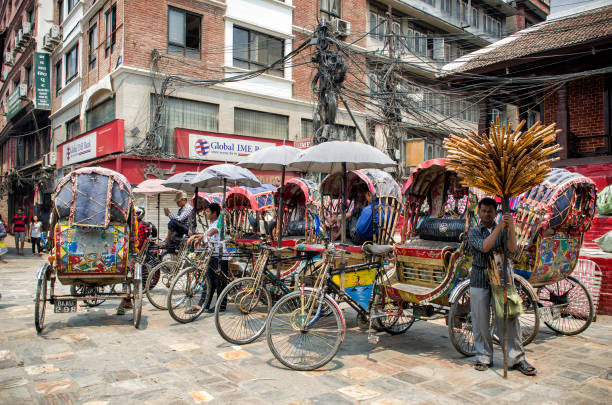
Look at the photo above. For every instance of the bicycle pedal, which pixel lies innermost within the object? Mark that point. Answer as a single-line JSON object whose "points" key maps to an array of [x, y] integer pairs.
{"points": [[373, 339]]}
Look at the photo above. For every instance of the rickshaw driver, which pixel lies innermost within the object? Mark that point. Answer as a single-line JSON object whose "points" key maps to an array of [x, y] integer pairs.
{"points": [[483, 239], [212, 213], [179, 222]]}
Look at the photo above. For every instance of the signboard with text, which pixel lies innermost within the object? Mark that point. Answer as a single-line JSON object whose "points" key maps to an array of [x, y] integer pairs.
{"points": [[101, 141], [42, 79], [218, 147], [14, 104]]}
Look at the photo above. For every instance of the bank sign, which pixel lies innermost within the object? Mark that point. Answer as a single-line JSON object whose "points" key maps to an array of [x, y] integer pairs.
{"points": [[101, 141], [79, 150]]}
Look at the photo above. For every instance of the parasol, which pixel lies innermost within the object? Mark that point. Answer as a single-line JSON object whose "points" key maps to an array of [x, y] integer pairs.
{"points": [[153, 187]]}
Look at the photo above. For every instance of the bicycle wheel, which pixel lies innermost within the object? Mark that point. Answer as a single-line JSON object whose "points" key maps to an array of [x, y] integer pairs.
{"points": [[158, 283], [567, 307], [190, 287], [246, 307], [389, 314], [530, 318], [460, 324], [301, 340], [41, 302]]}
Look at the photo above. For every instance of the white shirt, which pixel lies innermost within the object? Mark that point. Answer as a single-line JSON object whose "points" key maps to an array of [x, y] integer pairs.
{"points": [[35, 229], [216, 237]]}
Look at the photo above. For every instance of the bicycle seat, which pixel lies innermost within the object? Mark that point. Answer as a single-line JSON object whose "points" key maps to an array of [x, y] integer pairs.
{"points": [[377, 250]]}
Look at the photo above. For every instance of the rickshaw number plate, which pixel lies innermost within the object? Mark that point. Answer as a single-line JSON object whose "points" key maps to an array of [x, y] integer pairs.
{"points": [[65, 306]]}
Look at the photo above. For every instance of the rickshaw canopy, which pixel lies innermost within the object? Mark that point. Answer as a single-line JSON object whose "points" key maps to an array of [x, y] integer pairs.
{"points": [[300, 191], [254, 198], [93, 197], [378, 182]]}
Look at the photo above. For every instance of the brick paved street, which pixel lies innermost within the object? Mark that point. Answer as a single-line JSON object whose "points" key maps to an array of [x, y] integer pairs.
{"points": [[96, 357]]}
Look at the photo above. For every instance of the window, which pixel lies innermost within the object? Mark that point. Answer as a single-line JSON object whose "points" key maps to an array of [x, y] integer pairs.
{"points": [[306, 131], [464, 12], [447, 6], [342, 133], [532, 118], [430, 2], [330, 9], [58, 76], [438, 49], [60, 11], [73, 128], [420, 43], [30, 18], [72, 63], [254, 50], [111, 26], [28, 76], [180, 113], [475, 17], [378, 26], [72, 4], [92, 38], [448, 52], [184, 33], [101, 114], [258, 123]]}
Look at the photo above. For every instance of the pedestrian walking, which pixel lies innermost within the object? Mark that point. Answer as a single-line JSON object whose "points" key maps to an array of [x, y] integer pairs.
{"points": [[35, 235], [19, 230], [484, 239]]}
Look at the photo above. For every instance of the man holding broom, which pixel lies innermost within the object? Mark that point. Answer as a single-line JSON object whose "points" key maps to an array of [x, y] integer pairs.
{"points": [[483, 240]]}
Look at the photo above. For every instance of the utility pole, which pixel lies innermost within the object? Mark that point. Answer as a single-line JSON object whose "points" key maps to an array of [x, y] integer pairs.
{"points": [[391, 111]]}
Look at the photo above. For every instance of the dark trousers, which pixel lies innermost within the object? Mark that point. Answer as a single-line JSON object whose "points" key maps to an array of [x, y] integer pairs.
{"points": [[217, 282], [178, 228], [35, 244]]}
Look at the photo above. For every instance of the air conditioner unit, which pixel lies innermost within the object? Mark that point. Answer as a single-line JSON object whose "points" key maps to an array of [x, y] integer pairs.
{"points": [[8, 58], [27, 30], [48, 43], [341, 28], [55, 32], [22, 40], [16, 44], [49, 159], [23, 90]]}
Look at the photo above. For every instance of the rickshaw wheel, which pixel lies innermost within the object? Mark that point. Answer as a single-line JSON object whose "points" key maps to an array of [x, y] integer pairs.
{"points": [[137, 301], [158, 283], [189, 288], [460, 324], [393, 318], [566, 306], [41, 301], [305, 347]]}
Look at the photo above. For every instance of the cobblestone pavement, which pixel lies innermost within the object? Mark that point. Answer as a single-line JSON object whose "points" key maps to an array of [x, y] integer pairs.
{"points": [[95, 357]]}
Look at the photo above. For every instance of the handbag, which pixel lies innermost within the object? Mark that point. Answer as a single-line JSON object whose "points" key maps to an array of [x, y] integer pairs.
{"points": [[515, 302]]}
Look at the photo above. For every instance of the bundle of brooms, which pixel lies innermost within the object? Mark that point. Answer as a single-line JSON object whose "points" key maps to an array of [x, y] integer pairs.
{"points": [[504, 163]]}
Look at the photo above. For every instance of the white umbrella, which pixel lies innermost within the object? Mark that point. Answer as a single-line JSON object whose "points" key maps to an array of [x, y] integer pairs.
{"points": [[153, 187], [213, 177], [274, 158], [181, 181], [341, 156]]}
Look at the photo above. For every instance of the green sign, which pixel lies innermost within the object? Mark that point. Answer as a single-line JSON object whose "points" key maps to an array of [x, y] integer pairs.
{"points": [[14, 104], [42, 78]]}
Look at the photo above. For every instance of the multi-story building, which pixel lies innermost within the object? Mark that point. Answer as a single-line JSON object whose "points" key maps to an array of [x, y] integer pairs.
{"points": [[426, 34], [529, 12], [25, 174], [128, 82]]}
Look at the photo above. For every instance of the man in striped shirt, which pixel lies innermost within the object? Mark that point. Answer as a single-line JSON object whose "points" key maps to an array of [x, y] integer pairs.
{"points": [[19, 230], [179, 222], [483, 240]]}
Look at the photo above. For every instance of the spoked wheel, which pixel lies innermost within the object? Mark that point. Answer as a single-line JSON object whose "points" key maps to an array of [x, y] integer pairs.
{"points": [[41, 300], [388, 313], [241, 311], [567, 307], [158, 283], [530, 318], [189, 289], [301, 337], [460, 324], [137, 301]]}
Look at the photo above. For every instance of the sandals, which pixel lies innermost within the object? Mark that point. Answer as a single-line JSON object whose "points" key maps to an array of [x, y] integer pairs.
{"points": [[120, 311], [480, 366], [525, 368], [193, 310]]}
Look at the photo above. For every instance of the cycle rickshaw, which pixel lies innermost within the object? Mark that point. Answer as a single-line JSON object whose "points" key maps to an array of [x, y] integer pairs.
{"points": [[94, 233]]}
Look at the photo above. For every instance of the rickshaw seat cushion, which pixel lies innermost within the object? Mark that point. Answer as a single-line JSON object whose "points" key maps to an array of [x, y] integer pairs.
{"points": [[377, 250], [296, 228], [91, 250], [442, 229]]}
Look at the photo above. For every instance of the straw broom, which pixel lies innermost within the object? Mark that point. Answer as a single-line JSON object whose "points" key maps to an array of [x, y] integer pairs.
{"points": [[505, 163]]}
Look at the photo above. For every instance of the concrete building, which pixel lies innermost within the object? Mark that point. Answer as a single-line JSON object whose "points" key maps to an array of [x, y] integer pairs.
{"points": [[25, 162], [529, 12], [119, 101], [427, 34]]}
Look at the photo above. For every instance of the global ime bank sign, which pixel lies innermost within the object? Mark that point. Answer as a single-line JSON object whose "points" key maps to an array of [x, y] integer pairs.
{"points": [[218, 147]]}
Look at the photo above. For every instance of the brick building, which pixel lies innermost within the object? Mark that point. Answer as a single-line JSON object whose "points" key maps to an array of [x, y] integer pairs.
{"points": [[571, 51], [25, 172]]}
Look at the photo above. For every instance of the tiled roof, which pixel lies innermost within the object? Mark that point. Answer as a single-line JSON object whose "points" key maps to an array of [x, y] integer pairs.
{"points": [[548, 35]]}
